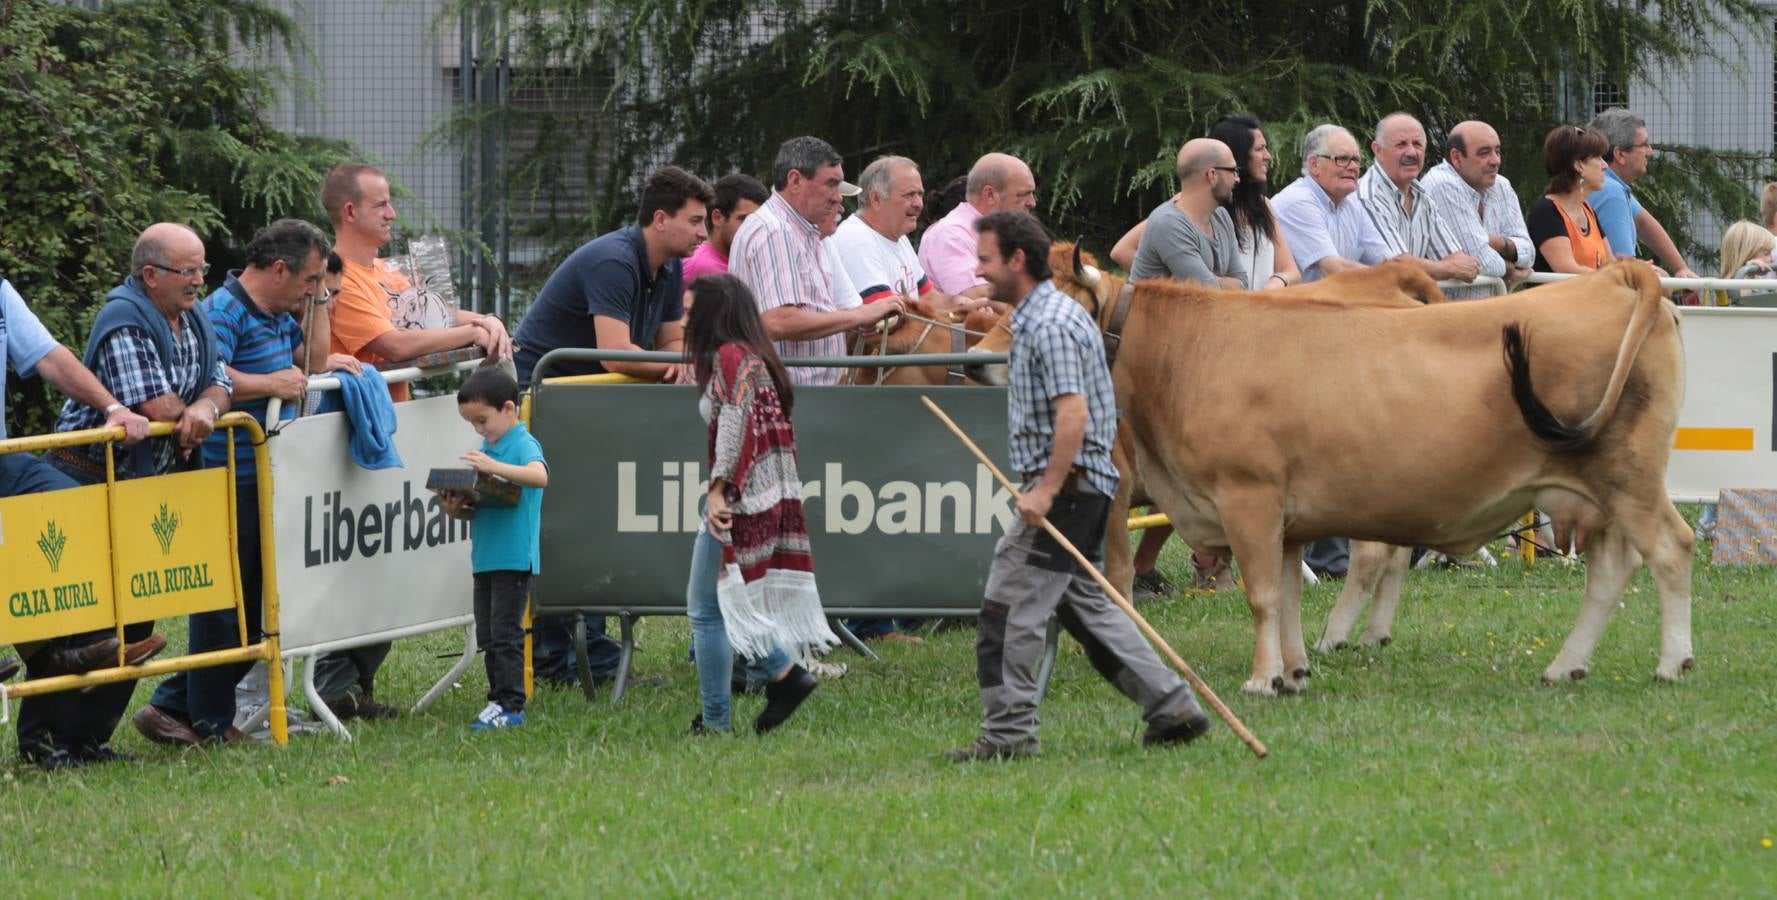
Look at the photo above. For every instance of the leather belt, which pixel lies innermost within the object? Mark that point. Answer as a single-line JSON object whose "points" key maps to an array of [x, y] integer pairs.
{"points": [[1069, 485]]}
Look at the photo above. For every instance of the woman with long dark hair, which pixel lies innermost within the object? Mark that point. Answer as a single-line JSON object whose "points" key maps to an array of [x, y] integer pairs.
{"points": [[752, 588], [1263, 254]]}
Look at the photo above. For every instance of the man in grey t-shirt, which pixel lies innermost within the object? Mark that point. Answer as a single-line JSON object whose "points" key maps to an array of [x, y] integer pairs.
{"points": [[1191, 237]]}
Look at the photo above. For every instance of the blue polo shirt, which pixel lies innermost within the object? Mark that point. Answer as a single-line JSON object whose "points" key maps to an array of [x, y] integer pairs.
{"points": [[24, 342], [607, 276], [508, 538], [250, 340], [1617, 208]]}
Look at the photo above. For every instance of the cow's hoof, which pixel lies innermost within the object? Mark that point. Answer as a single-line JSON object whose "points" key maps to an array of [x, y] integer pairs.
{"points": [[1293, 685], [1675, 672], [1260, 687], [1557, 676], [1326, 646], [1302, 673], [1381, 641]]}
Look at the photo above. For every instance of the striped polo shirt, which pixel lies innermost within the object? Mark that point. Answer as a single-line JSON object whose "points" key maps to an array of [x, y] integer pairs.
{"points": [[777, 254], [249, 340]]}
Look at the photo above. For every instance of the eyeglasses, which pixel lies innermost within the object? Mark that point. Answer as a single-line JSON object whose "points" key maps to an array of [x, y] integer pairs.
{"points": [[1341, 161], [187, 274], [1231, 170]]}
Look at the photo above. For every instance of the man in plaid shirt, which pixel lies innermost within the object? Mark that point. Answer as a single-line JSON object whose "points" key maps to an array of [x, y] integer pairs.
{"points": [[1062, 421], [156, 353]]}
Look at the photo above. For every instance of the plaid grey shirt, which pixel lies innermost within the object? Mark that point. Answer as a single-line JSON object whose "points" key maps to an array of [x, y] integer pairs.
{"points": [[1057, 349], [130, 367]]}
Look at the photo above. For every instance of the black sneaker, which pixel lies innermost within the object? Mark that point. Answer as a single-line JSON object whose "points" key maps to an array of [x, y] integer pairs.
{"points": [[1152, 584], [783, 696], [104, 754], [369, 709], [984, 750], [1181, 730], [9, 667], [60, 760]]}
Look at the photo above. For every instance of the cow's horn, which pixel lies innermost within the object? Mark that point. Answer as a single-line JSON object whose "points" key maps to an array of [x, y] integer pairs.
{"points": [[1085, 275]]}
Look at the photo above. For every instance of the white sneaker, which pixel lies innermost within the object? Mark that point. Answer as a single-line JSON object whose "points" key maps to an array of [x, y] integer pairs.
{"points": [[489, 713], [825, 671]]}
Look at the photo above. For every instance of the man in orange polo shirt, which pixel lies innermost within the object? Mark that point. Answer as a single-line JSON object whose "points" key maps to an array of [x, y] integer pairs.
{"points": [[357, 200], [363, 323]]}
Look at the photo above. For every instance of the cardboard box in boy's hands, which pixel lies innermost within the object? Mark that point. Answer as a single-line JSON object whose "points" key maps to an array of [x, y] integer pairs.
{"points": [[481, 488]]}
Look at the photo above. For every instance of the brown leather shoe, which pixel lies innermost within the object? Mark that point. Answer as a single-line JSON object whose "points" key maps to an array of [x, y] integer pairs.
{"points": [[144, 650], [162, 728], [74, 660]]}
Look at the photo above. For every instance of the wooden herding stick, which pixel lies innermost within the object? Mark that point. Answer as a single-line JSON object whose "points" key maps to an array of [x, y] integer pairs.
{"points": [[1201, 687]]}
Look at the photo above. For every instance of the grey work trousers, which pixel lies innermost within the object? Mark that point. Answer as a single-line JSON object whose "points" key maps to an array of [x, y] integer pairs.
{"points": [[1031, 579]]}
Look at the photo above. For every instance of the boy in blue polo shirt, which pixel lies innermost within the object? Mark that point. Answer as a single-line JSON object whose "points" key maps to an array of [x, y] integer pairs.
{"points": [[505, 553]]}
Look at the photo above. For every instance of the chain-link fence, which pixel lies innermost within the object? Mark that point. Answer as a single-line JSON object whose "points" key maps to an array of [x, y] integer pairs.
{"points": [[386, 74]]}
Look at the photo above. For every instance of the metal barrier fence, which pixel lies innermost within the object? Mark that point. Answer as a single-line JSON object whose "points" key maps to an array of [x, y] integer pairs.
{"points": [[901, 517], [71, 555], [368, 557]]}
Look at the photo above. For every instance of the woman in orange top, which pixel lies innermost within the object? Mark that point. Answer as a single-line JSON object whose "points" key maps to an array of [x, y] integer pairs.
{"points": [[1562, 224]]}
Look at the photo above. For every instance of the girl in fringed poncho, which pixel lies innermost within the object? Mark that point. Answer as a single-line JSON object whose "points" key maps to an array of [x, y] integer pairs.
{"points": [[752, 588]]}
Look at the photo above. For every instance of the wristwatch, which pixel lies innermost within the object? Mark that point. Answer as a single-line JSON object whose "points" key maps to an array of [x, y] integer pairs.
{"points": [[112, 408]]}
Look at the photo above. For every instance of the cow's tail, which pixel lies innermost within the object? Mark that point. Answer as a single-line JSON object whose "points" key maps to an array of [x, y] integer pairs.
{"points": [[1542, 422]]}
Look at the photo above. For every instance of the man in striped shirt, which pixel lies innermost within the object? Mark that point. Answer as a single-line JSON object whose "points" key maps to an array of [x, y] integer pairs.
{"points": [[258, 341], [1327, 229], [1480, 207], [778, 255], [1412, 228]]}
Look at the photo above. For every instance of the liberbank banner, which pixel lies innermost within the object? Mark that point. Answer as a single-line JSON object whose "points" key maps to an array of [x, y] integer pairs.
{"points": [[363, 553], [901, 516]]}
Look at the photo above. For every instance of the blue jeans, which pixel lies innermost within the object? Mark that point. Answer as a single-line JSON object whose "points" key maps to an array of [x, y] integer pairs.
{"points": [[205, 697], [22, 473], [552, 649], [709, 636]]}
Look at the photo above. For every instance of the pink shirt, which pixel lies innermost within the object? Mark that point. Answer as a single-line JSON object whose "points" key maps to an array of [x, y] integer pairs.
{"points": [[777, 254], [706, 260], [947, 252]]}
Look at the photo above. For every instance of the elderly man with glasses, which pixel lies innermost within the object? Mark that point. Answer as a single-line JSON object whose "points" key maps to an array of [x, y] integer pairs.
{"points": [[1619, 213], [1325, 224], [155, 351]]}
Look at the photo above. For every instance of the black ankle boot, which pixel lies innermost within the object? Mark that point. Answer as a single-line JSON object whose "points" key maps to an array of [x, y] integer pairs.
{"points": [[783, 696]]}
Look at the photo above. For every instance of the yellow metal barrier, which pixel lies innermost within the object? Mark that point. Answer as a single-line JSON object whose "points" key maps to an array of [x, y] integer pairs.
{"points": [[524, 415], [43, 534]]}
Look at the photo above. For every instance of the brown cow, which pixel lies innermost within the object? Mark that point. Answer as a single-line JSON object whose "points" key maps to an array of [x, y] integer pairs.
{"points": [[923, 330], [1225, 400], [1388, 285]]}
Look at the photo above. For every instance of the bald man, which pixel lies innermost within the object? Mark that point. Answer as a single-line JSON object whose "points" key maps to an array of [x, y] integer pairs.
{"points": [[947, 252], [1390, 191], [1480, 206], [1191, 237], [157, 353]]}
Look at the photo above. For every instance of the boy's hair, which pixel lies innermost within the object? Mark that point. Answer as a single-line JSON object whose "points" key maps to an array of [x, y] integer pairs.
{"points": [[491, 386]]}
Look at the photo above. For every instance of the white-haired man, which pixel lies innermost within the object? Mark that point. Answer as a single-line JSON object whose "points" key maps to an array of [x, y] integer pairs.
{"points": [[1326, 227]]}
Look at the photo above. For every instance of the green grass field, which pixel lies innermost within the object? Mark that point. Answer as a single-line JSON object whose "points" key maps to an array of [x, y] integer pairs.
{"points": [[1438, 766]]}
